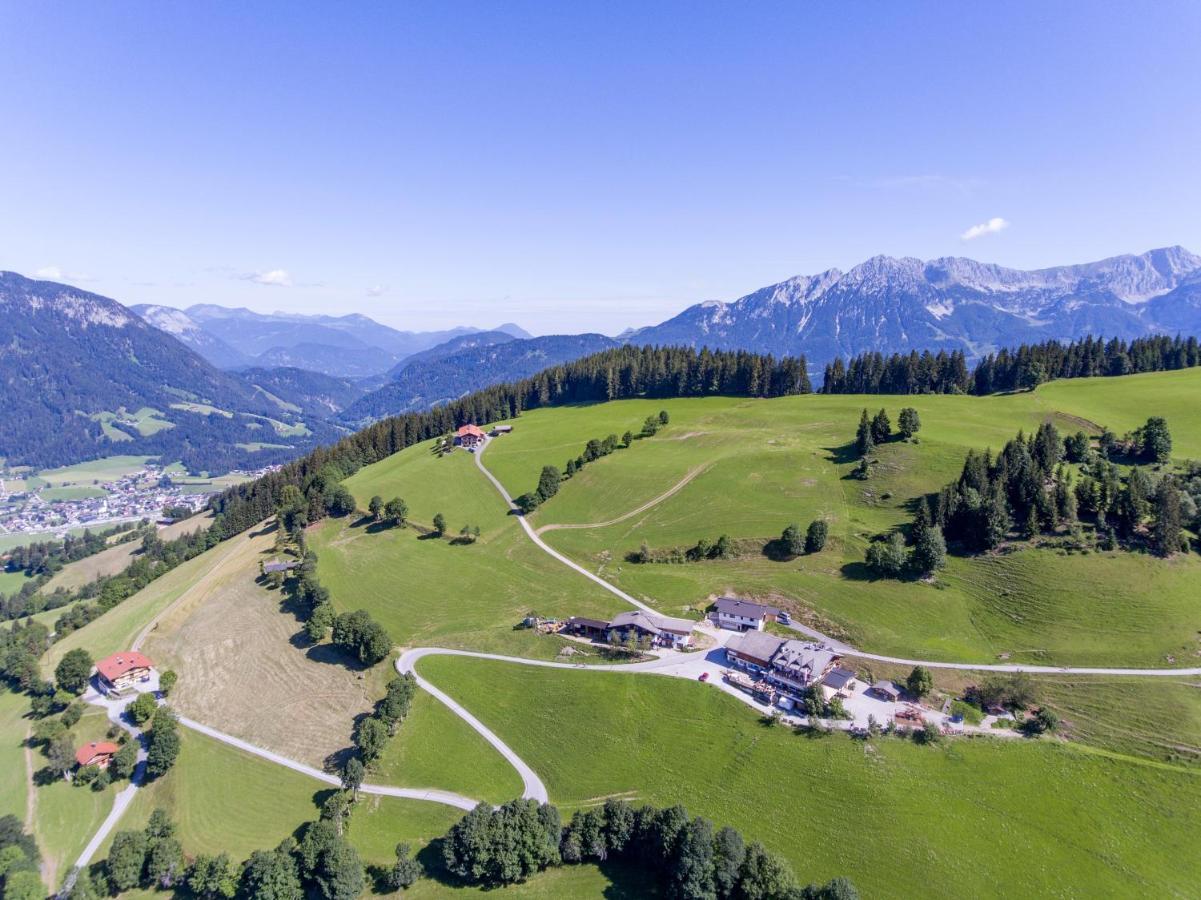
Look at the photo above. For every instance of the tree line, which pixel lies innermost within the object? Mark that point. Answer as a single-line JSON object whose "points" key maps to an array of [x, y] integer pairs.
{"points": [[621, 373], [686, 857], [1025, 367], [551, 478]]}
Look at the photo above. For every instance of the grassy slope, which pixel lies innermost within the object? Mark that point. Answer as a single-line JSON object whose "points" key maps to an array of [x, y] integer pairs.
{"points": [[435, 748], [774, 462], [430, 591], [116, 558], [105, 469], [1080, 823], [116, 629], [13, 781]]}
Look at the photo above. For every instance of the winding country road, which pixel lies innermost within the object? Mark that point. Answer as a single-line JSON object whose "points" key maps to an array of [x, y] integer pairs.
{"points": [[671, 663], [840, 646]]}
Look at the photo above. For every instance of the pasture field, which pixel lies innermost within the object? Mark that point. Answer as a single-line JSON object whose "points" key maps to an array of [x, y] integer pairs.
{"points": [[10, 582], [304, 699], [107, 468], [52, 494], [66, 816], [748, 468], [14, 781], [117, 628], [20, 539], [435, 748], [965, 812], [117, 557], [203, 409], [426, 590]]}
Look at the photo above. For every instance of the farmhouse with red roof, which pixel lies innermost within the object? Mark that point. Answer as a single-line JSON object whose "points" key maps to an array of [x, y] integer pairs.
{"points": [[469, 436], [96, 753], [122, 671]]}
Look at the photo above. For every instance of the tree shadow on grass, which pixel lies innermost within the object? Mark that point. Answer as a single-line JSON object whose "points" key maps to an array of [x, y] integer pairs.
{"points": [[858, 571], [842, 455], [777, 551], [331, 655]]}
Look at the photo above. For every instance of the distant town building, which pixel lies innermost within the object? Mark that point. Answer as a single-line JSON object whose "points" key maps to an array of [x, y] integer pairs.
{"points": [[122, 671]]}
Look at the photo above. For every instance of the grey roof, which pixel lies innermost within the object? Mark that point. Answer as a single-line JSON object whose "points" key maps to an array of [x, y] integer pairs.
{"points": [[652, 622], [839, 677], [802, 660], [759, 644], [886, 687], [732, 606], [278, 566], [587, 623]]}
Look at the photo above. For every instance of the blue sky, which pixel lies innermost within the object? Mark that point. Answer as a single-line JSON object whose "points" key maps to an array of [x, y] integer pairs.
{"points": [[579, 167]]}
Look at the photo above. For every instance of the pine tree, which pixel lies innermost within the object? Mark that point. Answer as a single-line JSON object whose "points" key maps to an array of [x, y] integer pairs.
{"points": [[864, 444], [881, 428], [1166, 534]]}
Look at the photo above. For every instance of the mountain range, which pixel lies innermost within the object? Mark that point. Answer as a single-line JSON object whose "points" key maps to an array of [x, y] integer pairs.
{"points": [[84, 376], [894, 305], [352, 345]]}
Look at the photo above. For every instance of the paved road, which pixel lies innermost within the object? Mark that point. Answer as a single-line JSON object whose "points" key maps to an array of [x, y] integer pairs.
{"points": [[532, 786], [533, 536], [841, 646], [385, 790]]}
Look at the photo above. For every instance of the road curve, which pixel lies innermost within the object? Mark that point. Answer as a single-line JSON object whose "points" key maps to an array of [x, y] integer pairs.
{"points": [[532, 786], [433, 795], [840, 646], [533, 536]]}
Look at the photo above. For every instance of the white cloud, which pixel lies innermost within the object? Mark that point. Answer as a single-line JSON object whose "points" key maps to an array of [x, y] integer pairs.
{"points": [[50, 272], [275, 278], [377, 290], [992, 226]]}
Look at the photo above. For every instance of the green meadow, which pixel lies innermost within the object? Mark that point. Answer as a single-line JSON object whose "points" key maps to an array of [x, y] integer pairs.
{"points": [[964, 816], [429, 590], [748, 468]]}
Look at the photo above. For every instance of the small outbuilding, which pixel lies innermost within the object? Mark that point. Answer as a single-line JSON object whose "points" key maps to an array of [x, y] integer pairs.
{"points": [[96, 753], [886, 690], [501, 429], [589, 628], [840, 679]]}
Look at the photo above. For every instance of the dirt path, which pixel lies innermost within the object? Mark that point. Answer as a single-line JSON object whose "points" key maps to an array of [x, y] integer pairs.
{"points": [[674, 489], [48, 869]]}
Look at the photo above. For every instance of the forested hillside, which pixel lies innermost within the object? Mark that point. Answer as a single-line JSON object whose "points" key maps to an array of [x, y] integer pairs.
{"points": [[78, 367]]}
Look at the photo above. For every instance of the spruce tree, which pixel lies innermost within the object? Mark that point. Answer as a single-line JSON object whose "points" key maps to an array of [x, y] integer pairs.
{"points": [[1165, 535], [863, 436]]}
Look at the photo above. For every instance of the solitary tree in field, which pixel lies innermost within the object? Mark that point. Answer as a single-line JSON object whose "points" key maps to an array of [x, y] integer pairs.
{"points": [[352, 777], [167, 681], [439, 524], [664, 418], [909, 422], [920, 682], [396, 511], [376, 507]]}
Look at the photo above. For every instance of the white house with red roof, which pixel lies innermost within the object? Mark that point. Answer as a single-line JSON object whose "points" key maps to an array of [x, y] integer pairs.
{"points": [[469, 436], [96, 753], [123, 671]]}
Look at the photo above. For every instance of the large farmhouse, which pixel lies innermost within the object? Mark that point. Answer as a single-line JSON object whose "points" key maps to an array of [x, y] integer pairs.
{"points": [[122, 671], [742, 615], [469, 436], [791, 665], [753, 650]]}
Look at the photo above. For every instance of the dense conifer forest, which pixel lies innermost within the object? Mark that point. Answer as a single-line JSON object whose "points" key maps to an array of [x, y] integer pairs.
{"points": [[1008, 370]]}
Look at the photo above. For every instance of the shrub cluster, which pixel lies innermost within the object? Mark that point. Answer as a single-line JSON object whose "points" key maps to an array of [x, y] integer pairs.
{"points": [[722, 548], [373, 732]]}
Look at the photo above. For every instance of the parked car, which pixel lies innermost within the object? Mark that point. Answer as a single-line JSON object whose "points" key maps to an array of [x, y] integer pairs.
{"points": [[704, 676], [784, 619]]}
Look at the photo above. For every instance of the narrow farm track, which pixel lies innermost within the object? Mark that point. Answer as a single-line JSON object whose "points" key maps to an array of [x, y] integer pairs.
{"points": [[836, 644], [670, 492]]}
